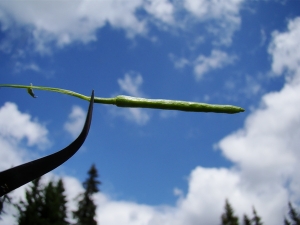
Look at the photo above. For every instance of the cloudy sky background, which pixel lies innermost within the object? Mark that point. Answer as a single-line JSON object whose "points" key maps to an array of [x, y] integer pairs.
{"points": [[158, 167]]}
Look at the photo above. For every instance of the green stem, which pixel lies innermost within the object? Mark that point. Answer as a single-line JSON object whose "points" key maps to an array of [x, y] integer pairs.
{"points": [[127, 101]]}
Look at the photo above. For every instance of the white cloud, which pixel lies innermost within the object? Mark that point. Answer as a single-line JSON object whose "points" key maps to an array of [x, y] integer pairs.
{"points": [[224, 15], [205, 9], [9, 155], [63, 22], [75, 121], [118, 13], [179, 63], [16, 126], [161, 9], [203, 64], [251, 88], [131, 84], [285, 48], [207, 191], [270, 131], [20, 67], [73, 187], [60, 23], [208, 188], [266, 149], [216, 60], [122, 212], [136, 115], [139, 116]]}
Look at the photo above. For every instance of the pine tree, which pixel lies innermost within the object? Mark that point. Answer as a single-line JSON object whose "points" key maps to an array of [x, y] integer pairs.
{"points": [[247, 221], [30, 210], [61, 202], [54, 210], [86, 211], [228, 217], [256, 219], [294, 217], [43, 206]]}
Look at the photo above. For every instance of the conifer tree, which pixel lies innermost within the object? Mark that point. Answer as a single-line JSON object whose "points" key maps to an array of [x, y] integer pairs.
{"points": [[294, 216], [30, 210], [228, 217], [86, 212], [54, 210], [247, 221], [256, 219], [43, 206], [61, 202]]}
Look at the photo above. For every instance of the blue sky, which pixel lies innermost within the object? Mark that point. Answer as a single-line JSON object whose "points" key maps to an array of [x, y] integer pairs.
{"points": [[158, 167]]}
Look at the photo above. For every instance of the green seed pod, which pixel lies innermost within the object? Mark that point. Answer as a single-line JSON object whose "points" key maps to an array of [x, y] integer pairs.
{"points": [[127, 101]]}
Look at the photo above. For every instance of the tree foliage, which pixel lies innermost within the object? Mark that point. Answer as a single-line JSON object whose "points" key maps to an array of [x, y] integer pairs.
{"points": [[228, 217], [30, 209], [54, 209], [256, 219], [247, 221], [294, 218], [86, 212], [45, 206]]}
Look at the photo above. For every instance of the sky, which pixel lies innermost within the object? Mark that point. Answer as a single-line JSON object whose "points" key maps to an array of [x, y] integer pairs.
{"points": [[158, 167]]}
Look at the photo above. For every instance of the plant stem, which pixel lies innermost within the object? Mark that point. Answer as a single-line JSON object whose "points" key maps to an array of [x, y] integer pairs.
{"points": [[127, 101]]}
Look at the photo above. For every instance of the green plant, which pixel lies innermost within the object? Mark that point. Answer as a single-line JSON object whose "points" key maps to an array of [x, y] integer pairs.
{"points": [[127, 101]]}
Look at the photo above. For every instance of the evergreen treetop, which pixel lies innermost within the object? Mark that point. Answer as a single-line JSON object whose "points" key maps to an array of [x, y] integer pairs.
{"points": [[247, 221], [43, 206], [228, 217], [256, 219], [54, 209], [30, 209], [86, 212], [294, 218], [91, 184]]}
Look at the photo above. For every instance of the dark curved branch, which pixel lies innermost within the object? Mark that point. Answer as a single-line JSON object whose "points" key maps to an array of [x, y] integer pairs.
{"points": [[17, 176]]}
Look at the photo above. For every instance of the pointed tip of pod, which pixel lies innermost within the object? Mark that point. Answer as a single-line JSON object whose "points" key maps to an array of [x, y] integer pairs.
{"points": [[239, 109]]}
